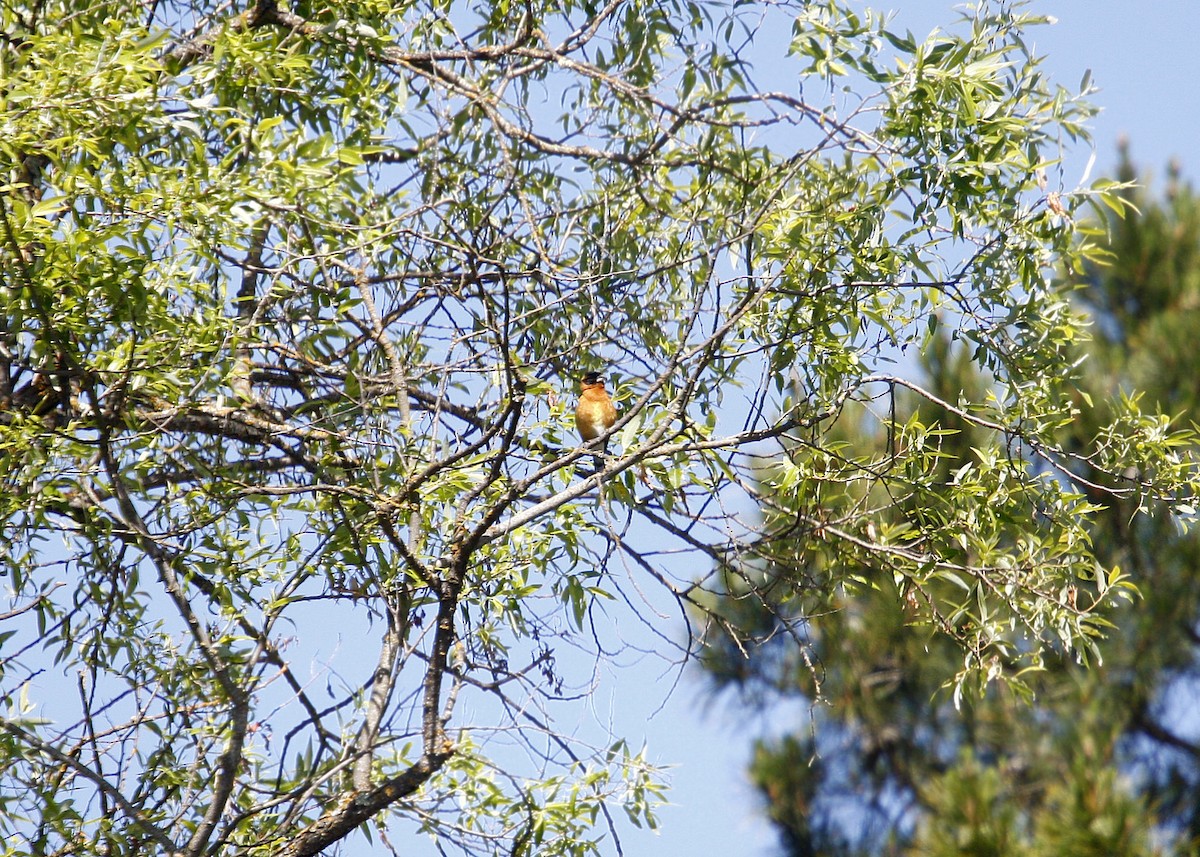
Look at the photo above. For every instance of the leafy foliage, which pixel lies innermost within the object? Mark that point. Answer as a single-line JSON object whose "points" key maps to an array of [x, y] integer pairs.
{"points": [[294, 298], [1089, 757]]}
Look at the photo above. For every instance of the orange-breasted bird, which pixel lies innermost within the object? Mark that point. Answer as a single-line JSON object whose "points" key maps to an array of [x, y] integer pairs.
{"points": [[595, 414]]}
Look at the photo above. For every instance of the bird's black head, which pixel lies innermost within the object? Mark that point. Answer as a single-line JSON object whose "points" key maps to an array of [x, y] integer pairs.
{"points": [[593, 378]]}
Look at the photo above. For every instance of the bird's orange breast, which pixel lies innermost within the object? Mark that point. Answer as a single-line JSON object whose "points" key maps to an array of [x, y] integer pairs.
{"points": [[595, 413]]}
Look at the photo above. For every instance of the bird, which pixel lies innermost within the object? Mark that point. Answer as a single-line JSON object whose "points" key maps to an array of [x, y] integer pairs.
{"points": [[595, 414]]}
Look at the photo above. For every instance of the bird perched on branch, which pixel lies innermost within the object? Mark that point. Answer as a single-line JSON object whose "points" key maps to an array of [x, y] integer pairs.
{"points": [[595, 414]]}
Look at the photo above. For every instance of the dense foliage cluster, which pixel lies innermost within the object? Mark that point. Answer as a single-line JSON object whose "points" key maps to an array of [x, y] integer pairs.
{"points": [[1095, 757]]}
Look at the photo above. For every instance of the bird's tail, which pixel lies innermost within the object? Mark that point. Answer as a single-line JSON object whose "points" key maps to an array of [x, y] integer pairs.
{"points": [[602, 457]]}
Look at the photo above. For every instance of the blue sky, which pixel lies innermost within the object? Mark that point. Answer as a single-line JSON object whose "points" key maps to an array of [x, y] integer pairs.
{"points": [[1144, 60]]}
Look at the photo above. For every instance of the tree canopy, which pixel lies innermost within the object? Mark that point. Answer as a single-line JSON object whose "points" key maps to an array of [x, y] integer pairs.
{"points": [[295, 303], [1102, 759]]}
